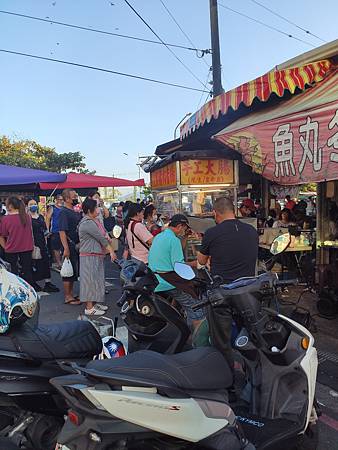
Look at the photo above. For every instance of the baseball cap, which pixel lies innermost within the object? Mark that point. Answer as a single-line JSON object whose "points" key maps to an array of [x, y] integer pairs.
{"points": [[249, 204], [179, 218]]}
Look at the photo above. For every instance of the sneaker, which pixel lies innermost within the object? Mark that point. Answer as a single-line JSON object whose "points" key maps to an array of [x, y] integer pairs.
{"points": [[101, 306], [50, 287], [94, 312]]}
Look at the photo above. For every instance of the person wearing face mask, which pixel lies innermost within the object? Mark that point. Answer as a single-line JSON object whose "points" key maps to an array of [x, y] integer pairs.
{"points": [[165, 251], [150, 220], [68, 224], [93, 247], [52, 222], [41, 270]]}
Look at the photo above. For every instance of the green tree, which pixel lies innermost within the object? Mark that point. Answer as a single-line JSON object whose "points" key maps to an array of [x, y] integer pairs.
{"points": [[146, 190], [26, 153]]}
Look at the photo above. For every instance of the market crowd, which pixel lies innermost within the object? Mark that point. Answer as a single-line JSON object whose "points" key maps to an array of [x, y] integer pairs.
{"points": [[80, 236]]}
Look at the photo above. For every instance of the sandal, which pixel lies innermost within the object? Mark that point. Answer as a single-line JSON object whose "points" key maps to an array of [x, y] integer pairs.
{"points": [[74, 301]]}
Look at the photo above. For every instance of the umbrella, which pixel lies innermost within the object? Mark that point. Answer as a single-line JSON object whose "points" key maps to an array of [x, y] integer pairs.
{"points": [[82, 181], [13, 176]]}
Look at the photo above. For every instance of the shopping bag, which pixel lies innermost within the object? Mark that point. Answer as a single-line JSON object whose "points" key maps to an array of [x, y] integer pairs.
{"points": [[36, 253], [67, 269]]}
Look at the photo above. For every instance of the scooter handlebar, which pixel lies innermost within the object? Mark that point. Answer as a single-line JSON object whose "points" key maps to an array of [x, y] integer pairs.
{"points": [[200, 305]]}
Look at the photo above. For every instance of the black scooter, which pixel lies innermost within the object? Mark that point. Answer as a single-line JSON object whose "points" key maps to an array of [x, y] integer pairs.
{"points": [[31, 411]]}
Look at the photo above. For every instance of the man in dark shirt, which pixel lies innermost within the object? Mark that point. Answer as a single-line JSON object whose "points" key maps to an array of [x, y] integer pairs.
{"points": [[231, 245], [68, 222]]}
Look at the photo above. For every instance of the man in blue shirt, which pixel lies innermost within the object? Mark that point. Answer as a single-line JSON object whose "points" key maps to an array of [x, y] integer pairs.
{"points": [[165, 251]]}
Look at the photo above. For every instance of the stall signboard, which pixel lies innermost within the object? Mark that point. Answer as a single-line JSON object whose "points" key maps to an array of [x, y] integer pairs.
{"points": [[164, 177], [294, 149], [207, 171]]}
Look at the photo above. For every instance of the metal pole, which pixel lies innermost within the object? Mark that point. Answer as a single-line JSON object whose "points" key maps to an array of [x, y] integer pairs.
{"points": [[216, 59]]}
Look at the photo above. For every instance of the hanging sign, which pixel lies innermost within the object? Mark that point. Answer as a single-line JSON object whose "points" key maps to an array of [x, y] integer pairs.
{"points": [[164, 177], [207, 171], [295, 149]]}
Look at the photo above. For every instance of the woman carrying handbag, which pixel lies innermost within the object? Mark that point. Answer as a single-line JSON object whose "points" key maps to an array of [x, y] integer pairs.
{"points": [[40, 257]]}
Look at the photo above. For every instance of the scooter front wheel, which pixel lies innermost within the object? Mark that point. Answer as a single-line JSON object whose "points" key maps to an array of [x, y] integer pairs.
{"points": [[310, 439]]}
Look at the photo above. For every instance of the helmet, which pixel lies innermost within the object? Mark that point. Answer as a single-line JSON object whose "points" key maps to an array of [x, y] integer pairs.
{"points": [[18, 300]]}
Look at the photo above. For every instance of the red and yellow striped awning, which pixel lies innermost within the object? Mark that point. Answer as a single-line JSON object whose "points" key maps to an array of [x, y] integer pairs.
{"points": [[274, 82]]}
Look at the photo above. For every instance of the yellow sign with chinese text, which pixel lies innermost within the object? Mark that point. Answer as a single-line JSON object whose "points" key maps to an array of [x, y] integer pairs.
{"points": [[207, 171], [164, 177]]}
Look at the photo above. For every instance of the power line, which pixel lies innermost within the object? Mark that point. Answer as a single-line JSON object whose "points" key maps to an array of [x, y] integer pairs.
{"points": [[266, 25], [160, 39], [109, 33], [182, 30], [205, 85], [287, 20], [100, 69]]}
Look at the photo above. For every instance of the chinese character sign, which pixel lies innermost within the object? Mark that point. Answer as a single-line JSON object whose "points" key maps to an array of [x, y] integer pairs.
{"points": [[295, 149], [207, 171], [164, 177]]}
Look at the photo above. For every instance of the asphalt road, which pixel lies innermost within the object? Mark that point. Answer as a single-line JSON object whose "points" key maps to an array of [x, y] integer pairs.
{"points": [[53, 309]]}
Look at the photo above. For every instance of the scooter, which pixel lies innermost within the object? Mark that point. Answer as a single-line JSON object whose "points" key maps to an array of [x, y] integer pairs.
{"points": [[154, 401], [31, 411]]}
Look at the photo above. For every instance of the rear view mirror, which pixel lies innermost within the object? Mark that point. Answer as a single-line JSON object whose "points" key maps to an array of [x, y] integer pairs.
{"points": [[280, 244], [184, 271], [117, 231]]}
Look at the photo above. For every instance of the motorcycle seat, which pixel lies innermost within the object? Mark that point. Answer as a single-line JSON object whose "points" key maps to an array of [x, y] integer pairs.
{"points": [[199, 369], [68, 340]]}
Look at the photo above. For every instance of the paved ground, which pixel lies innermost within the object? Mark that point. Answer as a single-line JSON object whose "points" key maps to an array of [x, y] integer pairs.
{"points": [[325, 333]]}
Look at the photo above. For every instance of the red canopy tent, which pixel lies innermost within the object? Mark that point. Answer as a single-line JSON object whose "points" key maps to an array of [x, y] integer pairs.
{"points": [[83, 181]]}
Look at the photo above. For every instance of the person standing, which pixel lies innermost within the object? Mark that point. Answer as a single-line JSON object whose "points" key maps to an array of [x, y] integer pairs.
{"points": [[68, 223], [232, 248], [93, 247], [52, 222], [41, 269], [150, 220], [16, 238], [289, 203], [139, 239], [103, 211]]}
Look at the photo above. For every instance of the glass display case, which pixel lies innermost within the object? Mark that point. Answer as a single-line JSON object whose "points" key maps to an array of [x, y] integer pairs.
{"points": [[167, 203], [199, 203]]}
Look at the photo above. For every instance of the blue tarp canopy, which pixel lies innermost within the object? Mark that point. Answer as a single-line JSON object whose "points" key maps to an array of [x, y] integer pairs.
{"points": [[21, 176]]}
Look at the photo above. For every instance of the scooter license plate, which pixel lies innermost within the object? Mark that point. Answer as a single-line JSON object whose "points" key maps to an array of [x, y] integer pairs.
{"points": [[61, 447]]}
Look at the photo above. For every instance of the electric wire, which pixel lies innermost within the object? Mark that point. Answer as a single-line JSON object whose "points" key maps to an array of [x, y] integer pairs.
{"points": [[95, 30], [160, 39], [182, 30], [266, 25], [205, 85], [287, 20], [101, 69]]}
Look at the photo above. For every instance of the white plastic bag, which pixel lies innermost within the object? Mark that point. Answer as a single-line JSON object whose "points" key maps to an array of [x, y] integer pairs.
{"points": [[67, 269]]}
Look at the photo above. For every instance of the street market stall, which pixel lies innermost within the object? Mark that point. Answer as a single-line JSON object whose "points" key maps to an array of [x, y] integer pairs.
{"points": [[190, 186]]}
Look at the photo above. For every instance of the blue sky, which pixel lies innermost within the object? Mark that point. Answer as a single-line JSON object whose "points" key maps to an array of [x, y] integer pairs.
{"points": [[105, 116]]}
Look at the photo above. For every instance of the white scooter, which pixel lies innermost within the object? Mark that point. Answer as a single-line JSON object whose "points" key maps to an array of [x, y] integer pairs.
{"points": [[147, 400]]}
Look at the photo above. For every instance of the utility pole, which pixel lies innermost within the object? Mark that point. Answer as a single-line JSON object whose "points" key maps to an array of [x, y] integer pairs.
{"points": [[216, 59]]}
